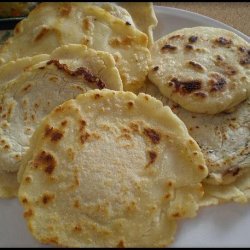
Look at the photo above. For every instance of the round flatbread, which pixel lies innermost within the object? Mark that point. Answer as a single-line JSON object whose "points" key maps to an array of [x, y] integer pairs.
{"points": [[71, 70], [121, 171], [51, 25], [204, 69], [224, 141]]}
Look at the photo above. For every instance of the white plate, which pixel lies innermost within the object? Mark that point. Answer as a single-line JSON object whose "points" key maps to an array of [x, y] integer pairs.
{"points": [[218, 226]]}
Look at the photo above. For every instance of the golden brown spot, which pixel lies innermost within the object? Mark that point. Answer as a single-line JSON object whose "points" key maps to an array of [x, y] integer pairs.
{"points": [[134, 126], [128, 23], [155, 68], [175, 37], [47, 161], [46, 198], [86, 24], [77, 228], [168, 47], [217, 84], [64, 123], [152, 135], [196, 66], [130, 104], [223, 41], [201, 167], [200, 94], [232, 171], [84, 137], [185, 87], [41, 34], [65, 10], [24, 200], [54, 134], [82, 125], [167, 196], [191, 142], [121, 244], [84, 72], [193, 39], [176, 215], [27, 179], [51, 240], [170, 183], [152, 157], [26, 88], [6, 147], [146, 97], [76, 204], [116, 42], [97, 96], [189, 47], [28, 213]]}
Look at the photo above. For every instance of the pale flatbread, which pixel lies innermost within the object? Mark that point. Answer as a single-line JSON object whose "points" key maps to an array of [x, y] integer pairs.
{"points": [[9, 71], [144, 17], [51, 25], [71, 70], [122, 171], [204, 69], [224, 141]]}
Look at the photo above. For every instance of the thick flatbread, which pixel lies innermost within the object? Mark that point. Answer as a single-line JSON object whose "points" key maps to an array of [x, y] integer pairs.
{"points": [[71, 70], [224, 140], [51, 25], [204, 69], [122, 170]]}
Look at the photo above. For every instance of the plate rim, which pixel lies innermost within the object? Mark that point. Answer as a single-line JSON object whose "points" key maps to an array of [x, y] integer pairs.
{"points": [[187, 13]]}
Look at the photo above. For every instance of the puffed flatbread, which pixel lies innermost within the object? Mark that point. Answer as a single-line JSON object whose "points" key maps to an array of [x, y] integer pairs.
{"points": [[70, 70], [204, 69], [51, 25], [121, 172], [224, 141]]}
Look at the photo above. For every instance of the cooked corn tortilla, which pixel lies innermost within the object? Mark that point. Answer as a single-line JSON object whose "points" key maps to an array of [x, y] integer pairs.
{"points": [[121, 172], [204, 69], [24, 101], [51, 25], [224, 142]]}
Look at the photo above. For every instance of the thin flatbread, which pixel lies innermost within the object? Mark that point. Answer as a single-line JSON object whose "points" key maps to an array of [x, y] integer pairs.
{"points": [[51, 25], [121, 173], [224, 140], [203, 69]]}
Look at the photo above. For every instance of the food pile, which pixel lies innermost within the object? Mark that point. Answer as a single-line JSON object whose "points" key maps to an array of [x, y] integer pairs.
{"points": [[109, 138]]}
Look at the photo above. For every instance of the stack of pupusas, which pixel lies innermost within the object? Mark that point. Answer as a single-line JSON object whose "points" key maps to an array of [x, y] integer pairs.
{"points": [[96, 165]]}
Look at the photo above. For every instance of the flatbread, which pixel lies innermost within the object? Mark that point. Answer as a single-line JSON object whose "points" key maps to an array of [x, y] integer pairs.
{"points": [[224, 140], [51, 25], [204, 69], [11, 70], [71, 70], [144, 17], [122, 171]]}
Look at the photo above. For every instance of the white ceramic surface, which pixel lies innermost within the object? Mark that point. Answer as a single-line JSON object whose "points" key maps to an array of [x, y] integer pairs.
{"points": [[217, 226]]}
